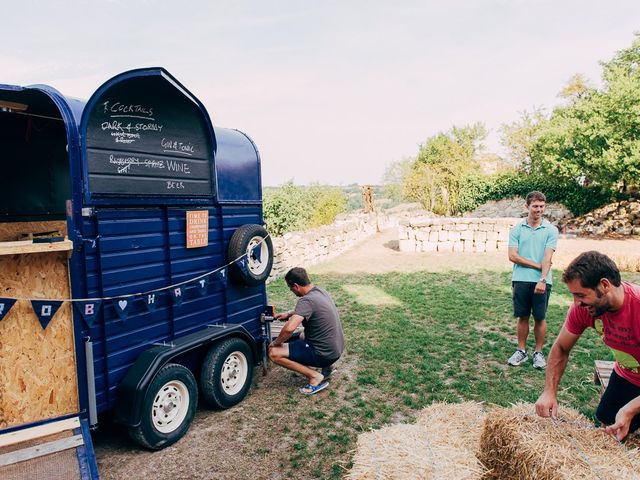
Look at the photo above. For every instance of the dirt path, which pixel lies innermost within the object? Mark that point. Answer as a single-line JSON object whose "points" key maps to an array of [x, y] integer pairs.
{"points": [[239, 443]]}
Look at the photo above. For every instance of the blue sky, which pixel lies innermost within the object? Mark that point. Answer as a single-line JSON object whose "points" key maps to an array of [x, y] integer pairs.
{"points": [[330, 91]]}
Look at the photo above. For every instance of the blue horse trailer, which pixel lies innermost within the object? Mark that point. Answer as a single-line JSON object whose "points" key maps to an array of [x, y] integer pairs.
{"points": [[133, 259]]}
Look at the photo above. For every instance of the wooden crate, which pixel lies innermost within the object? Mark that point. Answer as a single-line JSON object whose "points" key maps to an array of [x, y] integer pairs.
{"points": [[602, 373]]}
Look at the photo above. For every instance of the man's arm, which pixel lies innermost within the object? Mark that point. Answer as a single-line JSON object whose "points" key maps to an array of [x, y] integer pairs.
{"points": [[620, 429], [514, 257], [547, 404], [545, 267], [288, 328]]}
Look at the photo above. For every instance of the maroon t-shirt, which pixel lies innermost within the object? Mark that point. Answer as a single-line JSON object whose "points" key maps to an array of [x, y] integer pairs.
{"points": [[620, 331]]}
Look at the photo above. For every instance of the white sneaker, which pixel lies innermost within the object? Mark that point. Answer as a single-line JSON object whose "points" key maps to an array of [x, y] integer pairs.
{"points": [[538, 361], [518, 358]]}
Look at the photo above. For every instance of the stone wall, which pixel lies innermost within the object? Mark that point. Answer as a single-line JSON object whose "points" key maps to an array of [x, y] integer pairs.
{"points": [[301, 249], [455, 234]]}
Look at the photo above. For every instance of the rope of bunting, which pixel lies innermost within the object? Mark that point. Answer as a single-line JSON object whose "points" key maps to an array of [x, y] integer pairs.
{"points": [[128, 295]]}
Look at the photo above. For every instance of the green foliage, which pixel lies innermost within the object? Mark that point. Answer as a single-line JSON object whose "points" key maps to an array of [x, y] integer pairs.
{"points": [[579, 200], [445, 163], [596, 136], [328, 203], [290, 207], [286, 208]]}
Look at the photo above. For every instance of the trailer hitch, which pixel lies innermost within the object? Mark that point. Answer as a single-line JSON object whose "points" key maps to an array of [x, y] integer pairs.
{"points": [[266, 320]]}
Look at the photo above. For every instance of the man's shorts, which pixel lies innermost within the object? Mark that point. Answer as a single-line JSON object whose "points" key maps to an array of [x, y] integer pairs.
{"points": [[525, 301], [301, 351]]}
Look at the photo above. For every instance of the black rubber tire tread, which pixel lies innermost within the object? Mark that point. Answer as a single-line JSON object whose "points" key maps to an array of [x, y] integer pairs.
{"points": [[238, 247], [211, 370], [146, 434]]}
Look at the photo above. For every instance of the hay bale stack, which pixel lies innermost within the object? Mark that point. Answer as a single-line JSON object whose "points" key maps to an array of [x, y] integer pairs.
{"points": [[517, 444], [442, 444]]}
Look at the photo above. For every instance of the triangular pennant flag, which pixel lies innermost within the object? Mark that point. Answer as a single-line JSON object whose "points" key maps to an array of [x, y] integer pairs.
{"points": [[45, 310], [257, 252], [222, 276], [242, 263], [150, 300], [202, 285], [122, 305], [88, 309], [176, 294], [5, 306]]}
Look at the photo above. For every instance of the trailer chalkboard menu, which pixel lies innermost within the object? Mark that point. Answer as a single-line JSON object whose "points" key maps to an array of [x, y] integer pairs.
{"points": [[147, 137]]}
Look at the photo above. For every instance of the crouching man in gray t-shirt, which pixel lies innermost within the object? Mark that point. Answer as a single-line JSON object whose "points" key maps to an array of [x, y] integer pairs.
{"points": [[322, 342]]}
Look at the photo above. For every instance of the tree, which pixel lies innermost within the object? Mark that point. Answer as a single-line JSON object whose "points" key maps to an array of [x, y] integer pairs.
{"points": [[519, 138], [596, 137], [444, 162]]}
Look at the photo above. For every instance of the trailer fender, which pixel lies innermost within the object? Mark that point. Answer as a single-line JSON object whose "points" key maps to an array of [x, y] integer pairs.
{"points": [[133, 388]]}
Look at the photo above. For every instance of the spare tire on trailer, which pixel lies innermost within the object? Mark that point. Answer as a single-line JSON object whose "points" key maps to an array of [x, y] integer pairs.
{"points": [[253, 244]]}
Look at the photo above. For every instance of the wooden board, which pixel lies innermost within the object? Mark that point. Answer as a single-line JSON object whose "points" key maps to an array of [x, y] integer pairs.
{"points": [[27, 246], [37, 367], [602, 373]]}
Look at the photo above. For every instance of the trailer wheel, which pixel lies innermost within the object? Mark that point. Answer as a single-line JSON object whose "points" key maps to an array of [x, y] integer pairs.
{"points": [[168, 409], [253, 243], [227, 373]]}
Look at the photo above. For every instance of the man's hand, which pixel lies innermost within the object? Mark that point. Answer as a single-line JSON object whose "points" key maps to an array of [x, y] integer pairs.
{"points": [[541, 287], [620, 429], [283, 316], [547, 405]]}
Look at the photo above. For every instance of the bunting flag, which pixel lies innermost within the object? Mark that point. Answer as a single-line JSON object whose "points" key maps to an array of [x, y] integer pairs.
{"points": [[122, 305], [242, 263], [5, 306], [150, 301], [88, 309], [45, 310], [176, 294], [257, 252], [202, 285], [221, 275]]}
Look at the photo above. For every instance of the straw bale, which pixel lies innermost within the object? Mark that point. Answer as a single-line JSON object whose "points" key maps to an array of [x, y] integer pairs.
{"points": [[37, 368], [517, 444], [441, 444]]}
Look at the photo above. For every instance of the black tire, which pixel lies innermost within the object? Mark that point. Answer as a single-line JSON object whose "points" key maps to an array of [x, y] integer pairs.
{"points": [[172, 383], [227, 373], [243, 242]]}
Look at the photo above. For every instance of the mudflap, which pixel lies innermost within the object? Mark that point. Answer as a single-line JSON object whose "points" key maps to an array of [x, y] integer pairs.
{"points": [[60, 449]]}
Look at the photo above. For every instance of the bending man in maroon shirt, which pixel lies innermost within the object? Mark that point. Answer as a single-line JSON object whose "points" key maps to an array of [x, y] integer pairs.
{"points": [[612, 307]]}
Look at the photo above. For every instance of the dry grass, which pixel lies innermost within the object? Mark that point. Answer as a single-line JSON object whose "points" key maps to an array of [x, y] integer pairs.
{"points": [[441, 444], [517, 444]]}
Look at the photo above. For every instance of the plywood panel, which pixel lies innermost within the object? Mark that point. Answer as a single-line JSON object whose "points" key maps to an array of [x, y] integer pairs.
{"points": [[37, 367], [13, 231]]}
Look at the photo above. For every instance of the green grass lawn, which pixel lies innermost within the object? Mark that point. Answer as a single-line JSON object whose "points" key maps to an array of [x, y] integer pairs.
{"points": [[415, 338]]}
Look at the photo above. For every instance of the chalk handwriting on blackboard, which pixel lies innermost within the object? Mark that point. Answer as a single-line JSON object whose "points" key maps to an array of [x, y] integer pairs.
{"points": [[119, 109], [129, 127], [124, 163], [173, 185], [174, 146]]}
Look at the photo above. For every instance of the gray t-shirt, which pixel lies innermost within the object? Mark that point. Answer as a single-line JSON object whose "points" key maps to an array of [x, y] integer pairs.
{"points": [[321, 323]]}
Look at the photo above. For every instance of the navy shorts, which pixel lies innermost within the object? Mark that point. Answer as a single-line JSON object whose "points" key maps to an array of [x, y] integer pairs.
{"points": [[525, 301], [301, 351]]}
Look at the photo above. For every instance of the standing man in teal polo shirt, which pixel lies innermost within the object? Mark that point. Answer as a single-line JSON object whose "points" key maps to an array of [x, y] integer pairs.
{"points": [[531, 246]]}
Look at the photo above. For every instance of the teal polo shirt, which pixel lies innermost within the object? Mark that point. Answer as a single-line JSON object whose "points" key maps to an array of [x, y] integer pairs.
{"points": [[531, 243]]}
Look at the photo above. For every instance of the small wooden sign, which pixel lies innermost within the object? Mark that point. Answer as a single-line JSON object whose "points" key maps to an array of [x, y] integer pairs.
{"points": [[197, 228]]}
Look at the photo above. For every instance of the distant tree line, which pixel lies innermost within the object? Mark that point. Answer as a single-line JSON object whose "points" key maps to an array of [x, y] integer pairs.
{"points": [[584, 153]]}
